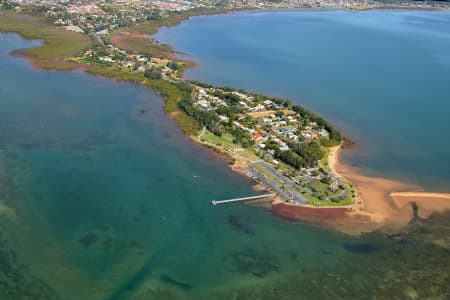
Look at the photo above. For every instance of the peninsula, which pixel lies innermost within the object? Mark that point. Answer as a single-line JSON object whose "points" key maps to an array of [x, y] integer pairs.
{"points": [[286, 148]]}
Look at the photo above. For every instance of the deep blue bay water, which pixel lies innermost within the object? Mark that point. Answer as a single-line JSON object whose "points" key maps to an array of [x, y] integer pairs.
{"points": [[100, 201], [381, 76]]}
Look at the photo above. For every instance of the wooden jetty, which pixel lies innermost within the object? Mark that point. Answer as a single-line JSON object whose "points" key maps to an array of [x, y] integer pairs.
{"points": [[217, 202]]}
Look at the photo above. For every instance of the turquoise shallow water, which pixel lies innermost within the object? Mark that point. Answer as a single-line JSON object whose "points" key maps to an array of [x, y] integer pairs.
{"points": [[381, 76], [100, 201]]}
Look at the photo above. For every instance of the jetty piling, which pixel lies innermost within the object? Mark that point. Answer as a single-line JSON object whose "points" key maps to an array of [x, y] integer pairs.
{"points": [[217, 202]]}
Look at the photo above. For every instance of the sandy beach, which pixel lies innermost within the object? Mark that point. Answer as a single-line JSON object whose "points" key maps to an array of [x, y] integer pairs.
{"points": [[381, 203], [387, 203]]}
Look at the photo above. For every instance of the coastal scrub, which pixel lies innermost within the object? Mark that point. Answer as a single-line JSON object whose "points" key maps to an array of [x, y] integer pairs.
{"points": [[58, 44]]}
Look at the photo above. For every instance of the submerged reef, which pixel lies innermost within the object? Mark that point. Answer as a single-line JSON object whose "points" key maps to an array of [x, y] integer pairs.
{"points": [[240, 224], [254, 262], [412, 264], [16, 281]]}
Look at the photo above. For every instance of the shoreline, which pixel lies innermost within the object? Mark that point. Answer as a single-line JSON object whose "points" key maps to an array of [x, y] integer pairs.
{"points": [[190, 64], [388, 203], [24, 54], [381, 203]]}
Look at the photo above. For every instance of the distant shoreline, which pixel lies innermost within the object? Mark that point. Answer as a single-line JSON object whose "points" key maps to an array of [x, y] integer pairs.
{"points": [[190, 64]]}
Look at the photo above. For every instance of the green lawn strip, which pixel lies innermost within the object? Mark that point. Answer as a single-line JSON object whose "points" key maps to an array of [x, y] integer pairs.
{"points": [[226, 140], [324, 162], [269, 176], [310, 198], [285, 168], [342, 202]]}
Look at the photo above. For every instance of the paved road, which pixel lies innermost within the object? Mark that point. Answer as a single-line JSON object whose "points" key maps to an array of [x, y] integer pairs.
{"points": [[286, 193]]}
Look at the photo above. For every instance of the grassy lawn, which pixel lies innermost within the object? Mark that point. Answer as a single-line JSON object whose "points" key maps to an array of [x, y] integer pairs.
{"points": [[285, 168], [58, 43], [346, 201], [268, 175], [323, 163], [225, 140]]}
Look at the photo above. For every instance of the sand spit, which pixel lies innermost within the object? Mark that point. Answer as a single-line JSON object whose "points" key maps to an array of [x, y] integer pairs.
{"points": [[381, 203], [388, 204]]}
